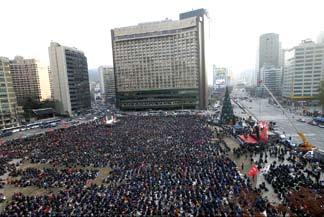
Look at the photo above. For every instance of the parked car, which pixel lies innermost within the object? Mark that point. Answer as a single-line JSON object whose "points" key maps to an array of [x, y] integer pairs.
{"points": [[314, 123], [319, 155], [2, 197], [321, 125], [309, 155], [287, 142], [301, 120]]}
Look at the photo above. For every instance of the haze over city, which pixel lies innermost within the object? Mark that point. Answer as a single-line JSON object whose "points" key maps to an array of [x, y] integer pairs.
{"points": [[162, 108], [232, 32]]}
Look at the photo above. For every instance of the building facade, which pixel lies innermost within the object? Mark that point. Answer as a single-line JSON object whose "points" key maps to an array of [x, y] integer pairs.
{"points": [[107, 83], [269, 51], [161, 65], [44, 82], [248, 77], [9, 109], [95, 92], [25, 78], [304, 69], [70, 79], [271, 77], [320, 37], [50, 76]]}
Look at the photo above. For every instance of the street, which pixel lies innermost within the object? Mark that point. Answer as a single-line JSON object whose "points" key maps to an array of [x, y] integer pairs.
{"points": [[262, 110]]}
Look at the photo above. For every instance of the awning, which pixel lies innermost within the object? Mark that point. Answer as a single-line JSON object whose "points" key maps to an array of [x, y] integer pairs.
{"points": [[248, 139], [43, 111]]}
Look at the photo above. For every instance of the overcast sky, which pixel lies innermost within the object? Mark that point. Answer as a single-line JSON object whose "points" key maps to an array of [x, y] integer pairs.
{"points": [[27, 27]]}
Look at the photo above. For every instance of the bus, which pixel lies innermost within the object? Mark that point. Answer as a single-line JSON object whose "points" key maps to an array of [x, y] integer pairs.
{"points": [[9, 131], [50, 123]]}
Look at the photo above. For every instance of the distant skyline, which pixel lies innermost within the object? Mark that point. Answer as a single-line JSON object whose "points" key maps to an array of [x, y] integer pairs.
{"points": [[232, 32]]}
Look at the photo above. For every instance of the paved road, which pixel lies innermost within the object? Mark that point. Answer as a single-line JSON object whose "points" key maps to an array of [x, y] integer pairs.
{"points": [[268, 112], [36, 131]]}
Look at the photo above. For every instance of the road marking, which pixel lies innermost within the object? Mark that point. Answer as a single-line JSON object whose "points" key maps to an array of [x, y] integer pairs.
{"points": [[305, 134]]}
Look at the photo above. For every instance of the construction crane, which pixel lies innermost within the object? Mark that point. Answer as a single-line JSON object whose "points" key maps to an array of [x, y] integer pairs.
{"points": [[306, 145]]}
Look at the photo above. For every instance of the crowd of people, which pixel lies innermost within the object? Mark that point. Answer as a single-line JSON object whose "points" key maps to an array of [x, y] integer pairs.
{"points": [[287, 173], [164, 166], [52, 177], [285, 177]]}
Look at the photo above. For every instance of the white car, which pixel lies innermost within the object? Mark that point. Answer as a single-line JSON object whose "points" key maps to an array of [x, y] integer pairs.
{"points": [[15, 130], [301, 120], [282, 136], [321, 125], [2, 197]]}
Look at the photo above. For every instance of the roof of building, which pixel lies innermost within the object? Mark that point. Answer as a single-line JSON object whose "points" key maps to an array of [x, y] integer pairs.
{"points": [[43, 111]]}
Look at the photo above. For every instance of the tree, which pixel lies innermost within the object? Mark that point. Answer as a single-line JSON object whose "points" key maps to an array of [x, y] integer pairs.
{"points": [[47, 103], [320, 96], [227, 115], [31, 103], [28, 105]]}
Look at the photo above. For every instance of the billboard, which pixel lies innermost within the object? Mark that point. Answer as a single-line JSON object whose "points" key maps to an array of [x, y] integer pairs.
{"points": [[219, 79]]}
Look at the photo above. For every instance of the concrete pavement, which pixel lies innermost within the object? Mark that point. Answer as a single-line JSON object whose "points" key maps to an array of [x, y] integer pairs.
{"points": [[265, 111]]}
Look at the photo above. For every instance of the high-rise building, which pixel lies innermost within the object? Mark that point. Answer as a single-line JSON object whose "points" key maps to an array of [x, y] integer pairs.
{"points": [[161, 65], [247, 77], [271, 77], [95, 92], [69, 75], [269, 51], [50, 76], [304, 69], [25, 75], [9, 109], [320, 37], [44, 82], [107, 83]]}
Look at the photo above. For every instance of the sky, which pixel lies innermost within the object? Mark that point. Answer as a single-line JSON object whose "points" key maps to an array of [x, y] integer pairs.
{"points": [[232, 30]]}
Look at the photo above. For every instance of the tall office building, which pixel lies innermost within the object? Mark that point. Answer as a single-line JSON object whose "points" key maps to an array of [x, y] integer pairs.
{"points": [[269, 51], [44, 82], [320, 37], [107, 83], [247, 77], [69, 75], [50, 76], [9, 109], [161, 65], [25, 78], [304, 69], [271, 77]]}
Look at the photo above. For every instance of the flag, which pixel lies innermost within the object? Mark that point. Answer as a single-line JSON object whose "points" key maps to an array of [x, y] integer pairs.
{"points": [[263, 127], [253, 171]]}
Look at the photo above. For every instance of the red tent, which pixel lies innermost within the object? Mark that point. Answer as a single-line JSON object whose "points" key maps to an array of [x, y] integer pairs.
{"points": [[248, 139]]}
